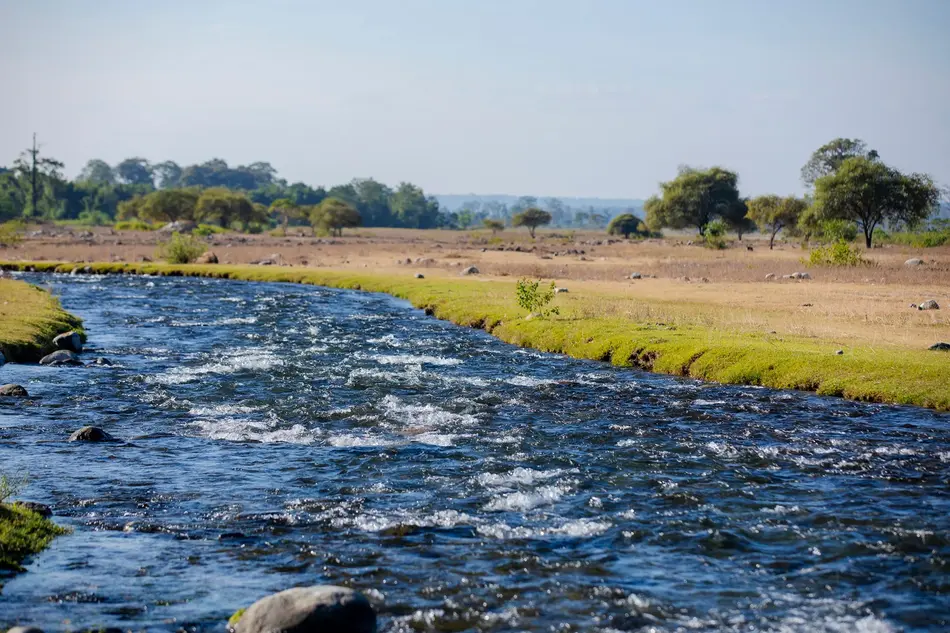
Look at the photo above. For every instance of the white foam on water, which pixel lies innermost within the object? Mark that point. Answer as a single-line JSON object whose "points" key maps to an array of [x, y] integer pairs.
{"points": [[437, 439], [350, 440], [243, 430], [412, 359], [425, 416], [523, 476], [223, 409], [257, 359], [529, 381], [389, 339], [411, 374], [894, 450], [237, 321], [525, 501], [579, 528], [627, 443]]}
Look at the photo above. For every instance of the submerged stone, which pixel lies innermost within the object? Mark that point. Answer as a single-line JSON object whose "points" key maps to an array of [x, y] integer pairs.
{"points": [[319, 609], [60, 358], [13, 391], [70, 341], [91, 434]]}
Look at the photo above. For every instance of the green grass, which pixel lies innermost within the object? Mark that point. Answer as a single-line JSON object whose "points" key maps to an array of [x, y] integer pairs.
{"points": [[29, 320], [23, 533], [889, 375]]}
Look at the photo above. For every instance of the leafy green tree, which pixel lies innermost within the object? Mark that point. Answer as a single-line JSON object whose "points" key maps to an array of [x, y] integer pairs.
{"points": [[372, 201], [97, 171], [736, 219], [135, 171], [495, 226], [411, 208], [169, 174], [169, 205], [694, 198], [285, 210], [333, 215], [38, 178], [772, 213], [224, 207], [532, 217], [626, 224], [869, 193], [131, 208], [828, 158]]}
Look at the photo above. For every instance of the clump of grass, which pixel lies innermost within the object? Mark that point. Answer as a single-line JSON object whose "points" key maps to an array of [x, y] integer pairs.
{"points": [[23, 533], [135, 225], [839, 253], [29, 320], [10, 233], [181, 249], [204, 230]]}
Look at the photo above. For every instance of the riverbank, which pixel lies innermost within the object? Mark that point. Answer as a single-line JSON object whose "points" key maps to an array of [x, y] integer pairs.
{"points": [[23, 533], [598, 324], [29, 320]]}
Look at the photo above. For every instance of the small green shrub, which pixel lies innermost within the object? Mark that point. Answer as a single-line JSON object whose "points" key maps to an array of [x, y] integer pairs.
{"points": [[840, 253], [10, 486], [535, 299], [204, 230], [832, 231], [135, 225], [10, 233], [94, 218], [181, 249], [714, 235]]}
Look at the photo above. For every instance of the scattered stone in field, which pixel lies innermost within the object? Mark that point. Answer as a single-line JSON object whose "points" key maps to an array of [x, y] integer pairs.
{"points": [[636, 276], [689, 243], [807, 305], [914, 262], [91, 434], [704, 280], [420, 276], [770, 277], [686, 279], [839, 352], [179, 226], [558, 291], [264, 262], [13, 391], [320, 609], [940, 347], [471, 270], [69, 341], [546, 257], [60, 358], [929, 304], [207, 257], [146, 260], [39, 508], [913, 306]]}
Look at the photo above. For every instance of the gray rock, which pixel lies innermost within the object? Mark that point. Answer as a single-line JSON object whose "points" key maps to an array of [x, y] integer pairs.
{"points": [[770, 277], [207, 258], [69, 341], [558, 291], [13, 391], [471, 270], [25, 629], [41, 509], [929, 304], [91, 434], [940, 347], [178, 226], [636, 276], [839, 352], [101, 361], [60, 358], [320, 609], [420, 276], [914, 262]]}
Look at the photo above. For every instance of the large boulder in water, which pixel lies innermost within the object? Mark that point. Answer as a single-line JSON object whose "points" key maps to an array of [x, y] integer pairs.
{"points": [[70, 341], [60, 358], [91, 434], [13, 391], [319, 609]]}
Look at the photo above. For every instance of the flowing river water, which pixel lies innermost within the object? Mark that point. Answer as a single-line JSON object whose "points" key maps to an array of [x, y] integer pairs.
{"points": [[280, 435]]}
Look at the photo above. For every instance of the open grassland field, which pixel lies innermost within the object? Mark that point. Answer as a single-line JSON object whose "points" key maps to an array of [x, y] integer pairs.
{"points": [[29, 320]]}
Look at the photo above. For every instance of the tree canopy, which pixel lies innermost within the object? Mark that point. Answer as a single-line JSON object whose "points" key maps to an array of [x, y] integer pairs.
{"points": [[773, 213], [532, 217], [694, 198], [869, 193], [333, 215], [828, 158], [627, 224]]}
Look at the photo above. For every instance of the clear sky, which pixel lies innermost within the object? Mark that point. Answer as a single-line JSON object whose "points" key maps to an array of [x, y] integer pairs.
{"points": [[546, 97]]}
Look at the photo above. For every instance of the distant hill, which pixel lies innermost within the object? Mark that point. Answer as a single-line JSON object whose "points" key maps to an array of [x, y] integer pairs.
{"points": [[453, 202]]}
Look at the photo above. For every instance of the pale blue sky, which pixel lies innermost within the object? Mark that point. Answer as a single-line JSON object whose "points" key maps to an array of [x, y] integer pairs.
{"points": [[547, 97]]}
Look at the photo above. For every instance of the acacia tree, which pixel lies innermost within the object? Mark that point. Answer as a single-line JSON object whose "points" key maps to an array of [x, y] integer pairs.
{"points": [[38, 176], [772, 213], [169, 205], [532, 217], [694, 198], [829, 157], [869, 193], [135, 171], [285, 210], [224, 206], [334, 215], [97, 171], [495, 226]]}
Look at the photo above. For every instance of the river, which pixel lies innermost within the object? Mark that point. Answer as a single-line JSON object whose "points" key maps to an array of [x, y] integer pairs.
{"points": [[279, 435]]}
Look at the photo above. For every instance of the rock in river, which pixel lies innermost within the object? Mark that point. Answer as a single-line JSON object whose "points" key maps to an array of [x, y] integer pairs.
{"points": [[70, 341], [39, 508], [91, 434], [319, 609], [13, 391], [60, 358]]}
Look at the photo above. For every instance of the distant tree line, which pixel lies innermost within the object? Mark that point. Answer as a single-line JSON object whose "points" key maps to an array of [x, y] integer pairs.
{"points": [[848, 184]]}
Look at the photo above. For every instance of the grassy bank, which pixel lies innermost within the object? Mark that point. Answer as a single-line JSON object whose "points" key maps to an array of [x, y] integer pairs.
{"points": [[29, 320], [584, 329], [22, 533]]}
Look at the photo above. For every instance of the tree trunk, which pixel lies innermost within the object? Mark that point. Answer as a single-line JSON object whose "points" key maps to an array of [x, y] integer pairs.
{"points": [[772, 239], [531, 231]]}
